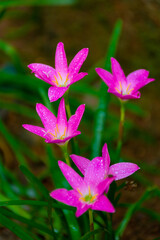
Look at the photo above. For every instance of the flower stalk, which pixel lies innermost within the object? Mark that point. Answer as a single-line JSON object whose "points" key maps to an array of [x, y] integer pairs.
{"points": [[64, 148], [91, 224], [121, 127]]}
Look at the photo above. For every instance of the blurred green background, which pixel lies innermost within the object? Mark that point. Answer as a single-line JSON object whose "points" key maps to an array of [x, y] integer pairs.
{"points": [[29, 33]]}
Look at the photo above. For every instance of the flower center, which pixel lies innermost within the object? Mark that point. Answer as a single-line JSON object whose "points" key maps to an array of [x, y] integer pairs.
{"points": [[57, 134], [60, 82], [124, 91], [88, 198]]}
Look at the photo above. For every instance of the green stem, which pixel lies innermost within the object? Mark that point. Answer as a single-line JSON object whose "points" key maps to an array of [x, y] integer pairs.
{"points": [[91, 225], [65, 152], [67, 104], [121, 126]]}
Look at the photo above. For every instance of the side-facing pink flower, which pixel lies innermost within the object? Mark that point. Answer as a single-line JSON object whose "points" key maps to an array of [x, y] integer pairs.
{"points": [[120, 85], [88, 192], [63, 75], [57, 130], [118, 170]]}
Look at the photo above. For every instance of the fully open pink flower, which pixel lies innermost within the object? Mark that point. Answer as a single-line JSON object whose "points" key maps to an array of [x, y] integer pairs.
{"points": [[118, 170], [57, 130], [62, 76], [121, 86], [88, 192]]}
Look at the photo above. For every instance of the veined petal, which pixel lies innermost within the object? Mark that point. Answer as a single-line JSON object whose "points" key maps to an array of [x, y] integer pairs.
{"points": [[43, 71], [60, 59], [36, 130], [82, 208], [75, 119], [122, 170], [61, 117], [106, 76], [47, 117], [77, 61], [103, 204], [103, 185], [74, 179], [117, 70], [77, 77], [81, 162], [95, 172], [67, 197], [54, 93], [106, 157]]}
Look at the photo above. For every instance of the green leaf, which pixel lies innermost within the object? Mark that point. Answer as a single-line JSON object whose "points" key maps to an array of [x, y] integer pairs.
{"points": [[16, 209], [35, 182], [15, 228], [13, 3], [12, 53], [92, 233], [104, 95], [149, 193], [29, 222]]}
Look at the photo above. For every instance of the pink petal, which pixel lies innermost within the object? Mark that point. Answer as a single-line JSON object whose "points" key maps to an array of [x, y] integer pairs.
{"points": [[122, 170], [54, 93], [61, 117], [74, 179], [95, 172], [106, 77], [77, 77], [137, 76], [82, 208], [60, 142], [36, 130], [81, 162], [47, 117], [143, 83], [103, 185], [134, 95], [67, 197], [77, 61], [106, 157], [60, 59], [75, 119], [42, 71], [103, 204], [117, 70]]}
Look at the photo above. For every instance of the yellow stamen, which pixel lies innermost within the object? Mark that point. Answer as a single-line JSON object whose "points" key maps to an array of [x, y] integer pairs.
{"points": [[57, 128], [118, 90], [94, 197], [128, 87], [53, 134], [89, 191], [79, 192], [66, 78], [82, 198], [130, 91], [64, 133], [120, 84], [60, 76], [56, 81]]}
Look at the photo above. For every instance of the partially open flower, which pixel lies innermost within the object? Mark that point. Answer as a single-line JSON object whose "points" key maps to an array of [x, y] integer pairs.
{"points": [[120, 85], [63, 75], [57, 130]]}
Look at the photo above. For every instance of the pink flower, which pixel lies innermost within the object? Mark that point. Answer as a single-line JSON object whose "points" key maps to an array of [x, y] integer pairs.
{"points": [[118, 170], [57, 130], [88, 191], [121, 86], [62, 76]]}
